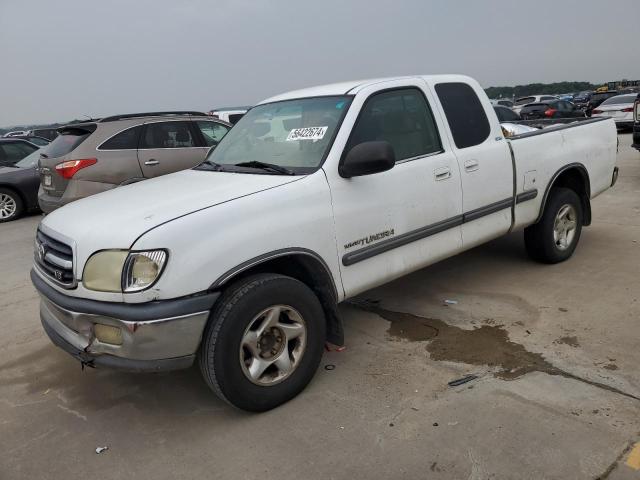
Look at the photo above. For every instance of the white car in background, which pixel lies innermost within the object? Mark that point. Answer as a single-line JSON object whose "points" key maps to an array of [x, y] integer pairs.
{"points": [[522, 101], [620, 108], [229, 115]]}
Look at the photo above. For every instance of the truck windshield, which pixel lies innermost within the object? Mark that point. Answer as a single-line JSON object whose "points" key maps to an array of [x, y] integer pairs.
{"points": [[294, 134]]}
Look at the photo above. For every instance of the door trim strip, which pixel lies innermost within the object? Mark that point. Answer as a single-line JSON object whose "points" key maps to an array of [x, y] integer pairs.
{"points": [[424, 232]]}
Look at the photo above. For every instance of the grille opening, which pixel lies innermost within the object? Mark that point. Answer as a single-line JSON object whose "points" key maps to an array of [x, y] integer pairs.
{"points": [[54, 258]]}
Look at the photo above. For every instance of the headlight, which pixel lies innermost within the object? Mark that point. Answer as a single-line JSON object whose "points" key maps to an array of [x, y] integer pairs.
{"points": [[142, 269], [103, 271], [123, 271]]}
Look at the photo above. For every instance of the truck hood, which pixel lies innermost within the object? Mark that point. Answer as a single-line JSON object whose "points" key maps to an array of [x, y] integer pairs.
{"points": [[116, 218]]}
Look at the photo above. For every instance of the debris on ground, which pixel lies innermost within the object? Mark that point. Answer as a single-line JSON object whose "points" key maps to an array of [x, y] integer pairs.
{"points": [[329, 366], [101, 449], [460, 381], [330, 347], [450, 302]]}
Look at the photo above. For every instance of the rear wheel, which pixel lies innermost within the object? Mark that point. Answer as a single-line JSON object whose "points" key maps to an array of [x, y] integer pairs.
{"points": [[10, 205], [555, 237], [263, 342]]}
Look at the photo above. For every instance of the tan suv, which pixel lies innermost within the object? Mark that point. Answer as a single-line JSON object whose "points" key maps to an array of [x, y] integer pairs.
{"points": [[91, 157]]}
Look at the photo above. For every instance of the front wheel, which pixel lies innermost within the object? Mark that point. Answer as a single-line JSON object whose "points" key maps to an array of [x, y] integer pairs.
{"points": [[555, 237], [263, 342]]}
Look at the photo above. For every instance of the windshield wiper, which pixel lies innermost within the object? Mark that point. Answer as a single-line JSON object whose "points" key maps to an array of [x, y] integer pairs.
{"points": [[216, 167], [266, 166]]}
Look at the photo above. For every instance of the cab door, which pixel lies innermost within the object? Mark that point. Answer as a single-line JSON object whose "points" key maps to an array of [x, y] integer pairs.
{"points": [[484, 158], [391, 223], [169, 146]]}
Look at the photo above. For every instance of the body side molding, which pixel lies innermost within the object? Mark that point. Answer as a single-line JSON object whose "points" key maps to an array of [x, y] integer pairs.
{"points": [[426, 231]]}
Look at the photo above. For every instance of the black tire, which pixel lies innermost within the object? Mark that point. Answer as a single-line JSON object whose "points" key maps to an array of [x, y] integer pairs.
{"points": [[219, 354], [539, 238], [17, 201]]}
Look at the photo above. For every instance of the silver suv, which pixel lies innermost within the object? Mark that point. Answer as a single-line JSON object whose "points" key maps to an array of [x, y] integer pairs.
{"points": [[91, 157]]}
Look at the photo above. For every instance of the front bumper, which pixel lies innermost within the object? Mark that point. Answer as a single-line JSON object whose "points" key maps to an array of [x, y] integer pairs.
{"points": [[158, 335]]}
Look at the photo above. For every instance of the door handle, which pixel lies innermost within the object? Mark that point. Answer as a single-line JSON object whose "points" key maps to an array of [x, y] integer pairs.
{"points": [[471, 165], [152, 162], [442, 173]]}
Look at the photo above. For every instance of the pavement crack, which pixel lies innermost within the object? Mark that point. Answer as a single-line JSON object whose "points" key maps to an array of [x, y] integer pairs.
{"points": [[75, 413], [604, 475]]}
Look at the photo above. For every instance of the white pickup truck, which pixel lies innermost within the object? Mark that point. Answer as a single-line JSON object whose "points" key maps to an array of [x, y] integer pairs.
{"points": [[313, 197]]}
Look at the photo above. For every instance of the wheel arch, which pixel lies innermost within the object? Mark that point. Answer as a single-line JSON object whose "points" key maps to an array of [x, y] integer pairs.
{"points": [[303, 265], [575, 177]]}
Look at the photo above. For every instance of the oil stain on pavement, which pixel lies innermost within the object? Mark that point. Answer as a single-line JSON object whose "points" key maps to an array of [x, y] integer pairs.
{"points": [[485, 345]]}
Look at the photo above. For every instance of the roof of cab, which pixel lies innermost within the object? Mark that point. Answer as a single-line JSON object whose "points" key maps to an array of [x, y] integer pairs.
{"points": [[353, 87]]}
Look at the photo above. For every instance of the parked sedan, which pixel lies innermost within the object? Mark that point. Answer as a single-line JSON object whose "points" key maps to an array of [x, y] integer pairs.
{"points": [[636, 123], [620, 108], [597, 98], [13, 150], [19, 187], [36, 140], [551, 109], [522, 101]]}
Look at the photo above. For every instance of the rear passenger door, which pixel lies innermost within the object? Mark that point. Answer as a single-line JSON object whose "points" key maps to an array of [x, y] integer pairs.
{"points": [[169, 146], [118, 157], [484, 159]]}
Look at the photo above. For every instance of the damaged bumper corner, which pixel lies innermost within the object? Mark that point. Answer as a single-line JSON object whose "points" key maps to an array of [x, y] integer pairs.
{"points": [[154, 336]]}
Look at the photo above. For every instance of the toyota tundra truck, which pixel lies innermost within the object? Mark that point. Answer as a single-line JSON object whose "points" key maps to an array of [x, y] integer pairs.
{"points": [[313, 197]]}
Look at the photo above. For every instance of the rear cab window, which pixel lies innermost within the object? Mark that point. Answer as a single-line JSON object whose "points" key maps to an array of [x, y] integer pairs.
{"points": [[465, 114], [68, 139]]}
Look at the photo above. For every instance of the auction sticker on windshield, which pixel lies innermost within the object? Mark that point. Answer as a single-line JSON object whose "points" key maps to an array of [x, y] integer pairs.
{"points": [[307, 133]]}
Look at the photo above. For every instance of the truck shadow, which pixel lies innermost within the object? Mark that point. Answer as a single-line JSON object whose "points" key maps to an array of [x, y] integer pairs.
{"points": [[47, 373]]}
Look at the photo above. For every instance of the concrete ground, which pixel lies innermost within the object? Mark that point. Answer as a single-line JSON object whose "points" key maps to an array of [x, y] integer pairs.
{"points": [[556, 350]]}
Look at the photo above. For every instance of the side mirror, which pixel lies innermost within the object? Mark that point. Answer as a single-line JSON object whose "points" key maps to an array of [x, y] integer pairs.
{"points": [[367, 158]]}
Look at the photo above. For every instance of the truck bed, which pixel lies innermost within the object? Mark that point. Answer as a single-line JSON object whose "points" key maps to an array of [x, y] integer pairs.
{"points": [[539, 156]]}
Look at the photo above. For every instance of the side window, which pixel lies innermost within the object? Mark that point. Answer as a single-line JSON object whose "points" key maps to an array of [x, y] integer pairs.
{"points": [[125, 140], [465, 114], [212, 132], [402, 118], [26, 148], [167, 135], [13, 152]]}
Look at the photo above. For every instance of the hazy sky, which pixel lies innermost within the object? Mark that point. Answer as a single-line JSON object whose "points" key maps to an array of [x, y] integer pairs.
{"points": [[62, 59]]}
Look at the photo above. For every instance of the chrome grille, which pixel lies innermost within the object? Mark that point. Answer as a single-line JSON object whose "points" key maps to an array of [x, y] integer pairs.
{"points": [[54, 259]]}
